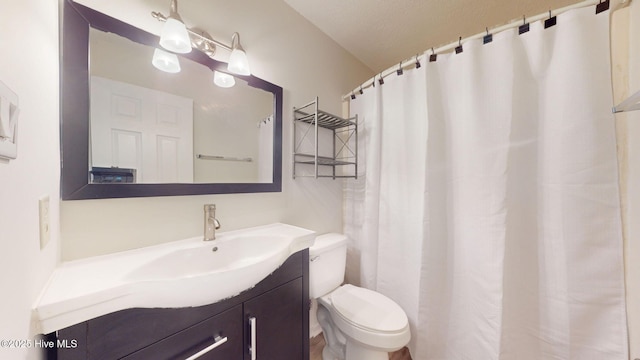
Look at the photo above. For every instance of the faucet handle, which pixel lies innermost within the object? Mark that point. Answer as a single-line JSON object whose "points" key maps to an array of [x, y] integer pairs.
{"points": [[210, 212], [211, 224]]}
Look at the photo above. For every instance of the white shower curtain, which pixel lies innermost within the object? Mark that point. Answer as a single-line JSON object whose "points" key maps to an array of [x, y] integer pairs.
{"points": [[488, 207]]}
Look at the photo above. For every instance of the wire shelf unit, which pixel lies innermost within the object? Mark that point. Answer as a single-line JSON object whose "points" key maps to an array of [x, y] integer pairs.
{"points": [[309, 123]]}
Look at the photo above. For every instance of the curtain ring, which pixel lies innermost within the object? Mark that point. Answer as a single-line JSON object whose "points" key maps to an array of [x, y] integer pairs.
{"points": [[418, 65], [400, 71], [487, 38], [551, 21], [458, 48], [361, 92], [433, 57], [381, 79], [524, 27], [602, 6]]}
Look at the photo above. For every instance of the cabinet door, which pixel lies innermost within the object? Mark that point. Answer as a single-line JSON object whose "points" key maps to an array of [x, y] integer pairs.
{"points": [[201, 337], [278, 323]]}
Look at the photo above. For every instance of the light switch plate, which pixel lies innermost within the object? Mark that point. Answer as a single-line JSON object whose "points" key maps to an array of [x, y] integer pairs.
{"points": [[43, 205], [9, 112]]}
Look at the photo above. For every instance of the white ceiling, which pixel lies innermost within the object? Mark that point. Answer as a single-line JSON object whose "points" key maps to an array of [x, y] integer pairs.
{"points": [[381, 33]]}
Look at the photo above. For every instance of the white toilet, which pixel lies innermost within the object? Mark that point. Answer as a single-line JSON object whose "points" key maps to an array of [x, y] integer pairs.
{"points": [[358, 324]]}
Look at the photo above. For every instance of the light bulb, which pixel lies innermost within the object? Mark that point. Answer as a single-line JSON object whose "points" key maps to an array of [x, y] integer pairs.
{"points": [[238, 63], [174, 37], [165, 61], [223, 80]]}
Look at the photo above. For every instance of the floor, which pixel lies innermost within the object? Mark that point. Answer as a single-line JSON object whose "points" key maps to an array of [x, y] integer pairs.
{"points": [[318, 342]]}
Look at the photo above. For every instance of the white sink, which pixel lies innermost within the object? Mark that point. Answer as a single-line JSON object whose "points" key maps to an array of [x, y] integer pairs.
{"points": [[183, 273], [225, 254]]}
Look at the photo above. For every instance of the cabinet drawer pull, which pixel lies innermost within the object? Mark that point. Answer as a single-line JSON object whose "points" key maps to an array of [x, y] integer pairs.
{"points": [[218, 341], [252, 349]]}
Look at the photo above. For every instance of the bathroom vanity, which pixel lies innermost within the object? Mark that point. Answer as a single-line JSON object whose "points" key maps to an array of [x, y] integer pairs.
{"points": [[244, 295], [278, 303]]}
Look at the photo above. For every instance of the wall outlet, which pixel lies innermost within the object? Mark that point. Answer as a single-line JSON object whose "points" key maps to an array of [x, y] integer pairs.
{"points": [[43, 204]]}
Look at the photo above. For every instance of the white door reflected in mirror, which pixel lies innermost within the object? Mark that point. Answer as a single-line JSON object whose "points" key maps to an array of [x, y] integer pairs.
{"points": [[146, 130]]}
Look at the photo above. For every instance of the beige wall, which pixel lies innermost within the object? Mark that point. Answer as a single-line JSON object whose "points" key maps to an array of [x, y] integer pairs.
{"points": [[625, 46], [632, 184], [29, 66], [284, 49]]}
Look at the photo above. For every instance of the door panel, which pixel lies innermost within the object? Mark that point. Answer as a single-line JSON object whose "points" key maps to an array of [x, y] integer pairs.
{"points": [[279, 315], [162, 149], [168, 157], [126, 149]]}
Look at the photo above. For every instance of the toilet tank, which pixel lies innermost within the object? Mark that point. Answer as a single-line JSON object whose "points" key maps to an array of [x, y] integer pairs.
{"points": [[327, 261]]}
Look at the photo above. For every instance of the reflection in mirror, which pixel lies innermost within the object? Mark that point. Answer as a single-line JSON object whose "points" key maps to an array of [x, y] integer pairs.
{"points": [[235, 133], [180, 127]]}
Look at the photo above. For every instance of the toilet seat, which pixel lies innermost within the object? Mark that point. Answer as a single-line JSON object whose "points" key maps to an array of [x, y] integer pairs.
{"points": [[368, 310], [368, 318]]}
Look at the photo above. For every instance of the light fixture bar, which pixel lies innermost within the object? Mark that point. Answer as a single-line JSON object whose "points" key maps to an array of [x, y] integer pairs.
{"points": [[163, 18], [176, 38]]}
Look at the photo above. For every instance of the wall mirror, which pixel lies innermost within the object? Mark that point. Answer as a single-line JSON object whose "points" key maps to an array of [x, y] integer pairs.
{"points": [[131, 130]]}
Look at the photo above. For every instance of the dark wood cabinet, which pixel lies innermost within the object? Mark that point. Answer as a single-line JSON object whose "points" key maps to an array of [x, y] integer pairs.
{"points": [[279, 304], [278, 323], [220, 336]]}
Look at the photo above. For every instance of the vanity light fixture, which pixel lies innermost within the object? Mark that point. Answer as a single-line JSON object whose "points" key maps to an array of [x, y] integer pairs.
{"points": [[165, 61], [223, 80], [174, 36], [238, 63]]}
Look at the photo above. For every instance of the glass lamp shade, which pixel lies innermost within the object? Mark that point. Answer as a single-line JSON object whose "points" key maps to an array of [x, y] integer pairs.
{"points": [[165, 61], [238, 63], [174, 37], [223, 80]]}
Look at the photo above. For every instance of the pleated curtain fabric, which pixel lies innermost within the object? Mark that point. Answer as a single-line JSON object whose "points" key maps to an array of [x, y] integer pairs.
{"points": [[488, 205]]}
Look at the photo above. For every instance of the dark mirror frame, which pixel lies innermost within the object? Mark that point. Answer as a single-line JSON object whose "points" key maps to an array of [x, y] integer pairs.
{"points": [[74, 114]]}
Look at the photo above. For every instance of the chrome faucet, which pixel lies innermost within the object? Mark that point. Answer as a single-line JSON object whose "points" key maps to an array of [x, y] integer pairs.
{"points": [[211, 224]]}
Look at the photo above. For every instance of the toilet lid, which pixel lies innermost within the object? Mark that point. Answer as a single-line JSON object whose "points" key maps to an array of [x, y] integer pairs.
{"points": [[368, 309]]}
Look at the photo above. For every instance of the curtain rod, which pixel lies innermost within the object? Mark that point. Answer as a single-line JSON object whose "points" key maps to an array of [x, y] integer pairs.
{"points": [[410, 62]]}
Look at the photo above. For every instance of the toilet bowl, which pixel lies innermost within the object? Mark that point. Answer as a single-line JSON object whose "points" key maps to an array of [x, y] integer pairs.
{"points": [[357, 323]]}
